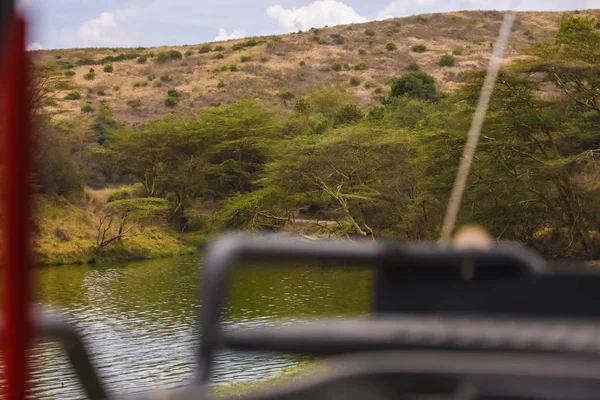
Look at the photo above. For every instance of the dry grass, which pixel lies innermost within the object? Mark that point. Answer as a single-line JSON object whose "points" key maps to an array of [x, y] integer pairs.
{"points": [[275, 65]]}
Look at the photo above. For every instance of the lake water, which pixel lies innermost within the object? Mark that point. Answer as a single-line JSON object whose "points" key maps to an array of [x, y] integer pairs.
{"points": [[138, 319]]}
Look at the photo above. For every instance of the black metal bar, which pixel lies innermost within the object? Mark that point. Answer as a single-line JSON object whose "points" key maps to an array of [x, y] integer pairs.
{"points": [[222, 255], [64, 333]]}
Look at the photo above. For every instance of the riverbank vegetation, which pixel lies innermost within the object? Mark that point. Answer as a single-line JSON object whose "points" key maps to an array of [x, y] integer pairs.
{"points": [[347, 170]]}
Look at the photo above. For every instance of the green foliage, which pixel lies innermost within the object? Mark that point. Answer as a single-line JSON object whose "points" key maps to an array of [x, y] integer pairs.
{"points": [[301, 64], [120, 57], [419, 85], [73, 95], [135, 104], [142, 59], [369, 32], [87, 107], [207, 49], [173, 93], [264, 59], [140, 84], [458, 51], [245, 59], [165, 78], [108, 68], [362, 52], [238, 46], [219, 48], [188, 53], [368, 85], [348, 114], [361, 65], [171, 101], [219, 56], [286, 95], [220, 84], [169, 55], [116, 88], [90, 75], [390, 46], [233, 68], [70, 73], [447, 60], [86, 61], [337, 38], [101, 92], [336, 66], [413, 66], [354, 81], [419, 48]]}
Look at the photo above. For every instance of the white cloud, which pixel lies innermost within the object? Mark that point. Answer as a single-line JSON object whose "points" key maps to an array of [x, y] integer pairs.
{"points": [[35, 46], [316, 14], [400, 8], [104, 31], [222, 35]]}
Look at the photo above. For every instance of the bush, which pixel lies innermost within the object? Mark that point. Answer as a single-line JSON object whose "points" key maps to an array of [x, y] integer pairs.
{"points": [[58, 57], [173, 93], [219, 56], [390, 46], [142, 59], [597, 26], [116, 88], [207, 49], [287, 95], [369, 32], [219, 48], [221, 84], [378, 90], [253, 42], [302, 63], [337, 38], [86, 61], [264, 59], [348, 114], [421, 19], [90, 75], [108, 68], [458, 51], [245, 59], [413, 66], [165, 78], [70, 73], [368, 85], [87, 107], [362, 52], [447, 60], [233, 68], [238, 46], [419, 48], [415, 84], [347, 67], [336, 66], [188, 53], [140, 84], [171, 101], [151, 77], [359, 66], [134, 104], [354, 81], [101, 92], [165, 56]]}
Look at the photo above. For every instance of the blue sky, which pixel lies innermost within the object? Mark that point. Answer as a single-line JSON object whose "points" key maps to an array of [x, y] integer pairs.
{"points": [[130, 23]]}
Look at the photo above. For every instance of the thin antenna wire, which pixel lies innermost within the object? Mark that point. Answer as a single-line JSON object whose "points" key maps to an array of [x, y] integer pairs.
{"points": [[475, 131]]}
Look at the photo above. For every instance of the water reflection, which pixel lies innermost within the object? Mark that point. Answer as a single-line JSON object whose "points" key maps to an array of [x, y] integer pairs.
{"points": [[139, 319]]}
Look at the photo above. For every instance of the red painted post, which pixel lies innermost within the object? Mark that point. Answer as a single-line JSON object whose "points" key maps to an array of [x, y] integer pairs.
{"points": [[16, 251]]}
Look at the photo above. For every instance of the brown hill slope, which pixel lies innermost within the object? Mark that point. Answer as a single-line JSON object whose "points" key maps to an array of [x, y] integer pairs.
{"points": [[280, 68]]}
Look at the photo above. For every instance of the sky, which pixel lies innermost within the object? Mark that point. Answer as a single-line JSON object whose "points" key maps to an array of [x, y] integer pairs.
{"points": [[131, 23]]}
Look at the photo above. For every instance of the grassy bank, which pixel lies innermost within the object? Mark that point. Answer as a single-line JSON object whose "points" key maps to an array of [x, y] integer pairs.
{"points": [[66, 234]]}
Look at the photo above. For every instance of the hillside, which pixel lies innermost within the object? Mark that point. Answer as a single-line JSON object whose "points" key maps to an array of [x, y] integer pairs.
{"points": [[277, 69]]}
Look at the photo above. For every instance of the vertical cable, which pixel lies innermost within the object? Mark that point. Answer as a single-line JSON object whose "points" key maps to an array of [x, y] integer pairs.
{"points": [[16, 150], [475, 131]]}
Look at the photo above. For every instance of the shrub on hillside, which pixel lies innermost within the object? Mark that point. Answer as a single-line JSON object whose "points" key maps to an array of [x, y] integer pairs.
{"points": [[142, 59], [220, 84], [173, 93], [458, 51], [169, 55], [447, 60], [108, 68], [206, 49], [70, 73], [348, 114], [354, 81], [362, 52], [101, 92], [140, 84], [417, 84], [336, 66], [337, 38], [87, 107], [233, 68], [253, 42], [238, 46], [419, 48], [86, 61], [301, 63], [390, 46], [347, 67], [369, 32], [264, 59], [245, 59], [219, 56], [413, 66], [188, 53], [286, 95], [359, 66], [135, 104], [116, 88], [171, 101], [165, 78], [90, 75], [219, 48]]}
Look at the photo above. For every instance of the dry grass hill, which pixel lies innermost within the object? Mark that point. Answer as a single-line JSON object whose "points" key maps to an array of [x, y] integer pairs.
{"points": [[277, 69]]}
